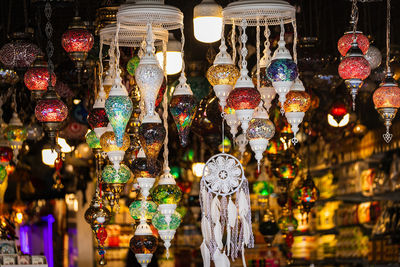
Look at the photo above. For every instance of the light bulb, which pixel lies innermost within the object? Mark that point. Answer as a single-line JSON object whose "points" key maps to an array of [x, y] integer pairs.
{"points": [[65, 147], [198, 168], [207, 21], [174, 56], [49, 156]]}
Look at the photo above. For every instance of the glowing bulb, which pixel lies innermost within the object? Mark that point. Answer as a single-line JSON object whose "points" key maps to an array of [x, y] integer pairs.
{"points": [[174, 56], [19, 217], [343, 122], [207, 21], [49, 156], [197, 169], [65, 148]]}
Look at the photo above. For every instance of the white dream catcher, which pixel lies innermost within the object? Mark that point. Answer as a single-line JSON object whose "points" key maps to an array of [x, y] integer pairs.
{"points": [[225, 205]]}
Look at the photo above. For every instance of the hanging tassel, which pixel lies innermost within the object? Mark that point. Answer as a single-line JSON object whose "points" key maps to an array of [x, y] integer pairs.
{"points": [[215, 216], [232, 216], [204, 196], [218, 235], [206, 229], [243, 211], [220, 259], [243, 258], [205, 254]]}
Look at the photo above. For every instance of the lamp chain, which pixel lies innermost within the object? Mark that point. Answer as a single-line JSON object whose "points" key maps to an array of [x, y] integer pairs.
{"points": [[243, 51], [295, 39], [49, 34], [266, 51], [165, 108], [354, 18], [387, 36], [233, 41], [258, 54]]}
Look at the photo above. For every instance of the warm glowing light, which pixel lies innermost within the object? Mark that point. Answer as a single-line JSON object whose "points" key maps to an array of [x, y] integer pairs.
{"points": [[197, 169], [49, 156], [19, 217], [174, 61], [76, 101], [207, 21], [332, 122], [65, 148]]}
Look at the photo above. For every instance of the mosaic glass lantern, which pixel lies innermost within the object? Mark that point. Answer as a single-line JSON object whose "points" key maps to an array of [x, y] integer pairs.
{"points": [[97, 214], [114, 152], [160, 222], [345, 42], [36, 78], [167, 192], [112, 176], [354, 69], [297, 102], [387, 102], [135, 209], [222, 75], [77, 42], [287, 223], [8, 76], [282, 71], [308, 194], [119, 109], [151, 136], [374, 57], [143, 243], [285, 170], [20, 52], [141, 167], [183, 109], [92, 140], [97, 117], [16, 134], [132, 65]]}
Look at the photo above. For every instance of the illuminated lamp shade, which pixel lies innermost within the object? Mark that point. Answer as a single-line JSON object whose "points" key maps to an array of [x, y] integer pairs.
{"points": [[135, 209], [149, 77], [354, 69], [20, 52], [232, 121], [97, 214], [97, 117], [174, 56], [267, 91], [143, 243], [308, 194], [297, 102], [112, 176], [119, 109], [36, 78], [8, 76], [260, 131], [285, 170], [282, 71], [16, 134], [374, 57], [6, 155], [223, 74], [142, 169], [167, 192], [109, 145], [207, 21], [387, 102], [132, 65], [183, 108], [151, 137], [77, 42], [338, 116], [287, 223], [167, 227], [345, 42], [92, 140]]}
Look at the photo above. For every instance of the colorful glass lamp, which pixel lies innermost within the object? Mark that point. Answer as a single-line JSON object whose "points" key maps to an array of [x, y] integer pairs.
{"points": [[143, 243], [114, 152], [36, 78], [15, 133]]}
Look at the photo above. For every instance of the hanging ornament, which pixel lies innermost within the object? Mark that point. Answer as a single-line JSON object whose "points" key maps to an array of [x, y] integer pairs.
{"points": [[92, 140], [260, 131], [309, 193], [282, 71], [97, 117], [143, 243], [77, 42], [374, 57], [97, 214], [297, 102], [268, 227], [223, 176], [119, 109], [151, 136], [135, 209], [285, 170], [114, 182], [36, 78], [15, 133], [223, 74], [287, 223], [345, 42], [387, 97], [244, 98], [149, 77], [114, 152], [232, 121], [183, 109], [263, 187]]}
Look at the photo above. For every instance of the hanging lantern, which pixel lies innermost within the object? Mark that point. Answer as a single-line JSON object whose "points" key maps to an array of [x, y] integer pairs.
{"points": [[345, 42], [149, 77], [15, 133], [143, 243], [232, 121], [268, 227], [20, 52], [387, 101], [285, 170], [223, 74], [92, 140], [145, 172], [260, 131], [97, 117], [309, 194], [297, 102], [6, 155], [354, 69], [151, 136], [77, 42], [282, 71], [119, 109], [287, 223], [109, 145], [374, 57], [135, 209], [166, 226], [183, 109], [207, 21], [36, 78], [132, 65], [112, 176], [51, 112], [167, 192], [97, 214]]}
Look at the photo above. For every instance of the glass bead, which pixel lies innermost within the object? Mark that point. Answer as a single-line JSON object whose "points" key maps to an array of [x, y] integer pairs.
{"points": [[119, 110], [281, 70], [160, 223], [183, 110], [167, 194], [354, 68], [92, 140], [97, 118], [111, 175], [387, 97], [151, 136], [135, 209], [143, 244], [297, 101], [346, 40], [108, 142], [244, 98], [260, 128], [51, 110], [223, 74]]}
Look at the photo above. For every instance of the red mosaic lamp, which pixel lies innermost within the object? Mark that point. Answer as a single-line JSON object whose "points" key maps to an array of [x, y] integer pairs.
{"points": [[77, 41], [36, 78]]}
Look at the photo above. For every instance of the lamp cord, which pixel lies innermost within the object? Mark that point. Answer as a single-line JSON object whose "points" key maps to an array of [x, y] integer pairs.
{"points": [[50, 47]]}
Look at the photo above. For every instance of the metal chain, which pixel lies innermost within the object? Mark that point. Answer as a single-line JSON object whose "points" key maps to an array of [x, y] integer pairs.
{"points": [[294, 24], [354, 18], [387, 36], [49, 34], [258, 54]]}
